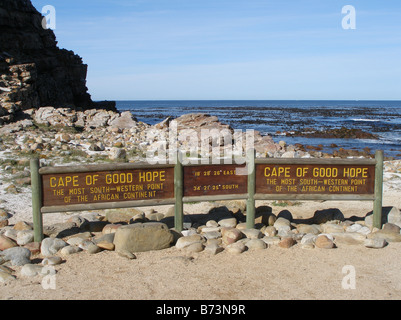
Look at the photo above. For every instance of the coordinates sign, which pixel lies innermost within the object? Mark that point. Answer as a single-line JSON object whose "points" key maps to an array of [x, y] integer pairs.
{"points": [[315, 179], [107, 186], [214, 180]]}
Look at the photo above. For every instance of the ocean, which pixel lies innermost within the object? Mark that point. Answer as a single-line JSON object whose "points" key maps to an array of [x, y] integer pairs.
{"points": [[382, 118]]}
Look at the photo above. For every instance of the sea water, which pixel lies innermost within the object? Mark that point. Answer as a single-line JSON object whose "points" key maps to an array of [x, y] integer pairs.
{"points": [[382, 118]]}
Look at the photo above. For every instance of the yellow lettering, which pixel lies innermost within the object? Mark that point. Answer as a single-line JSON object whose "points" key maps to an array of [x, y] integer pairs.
{"points": [[53, 182]]}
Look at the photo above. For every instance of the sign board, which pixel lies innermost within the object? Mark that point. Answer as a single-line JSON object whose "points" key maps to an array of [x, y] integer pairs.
{"points": [[79, 188], [107, 186], [315, 179], [212, 180]]}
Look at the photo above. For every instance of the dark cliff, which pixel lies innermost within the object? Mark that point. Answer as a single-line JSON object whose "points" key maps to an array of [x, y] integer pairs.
{"points": [[34, 72]]}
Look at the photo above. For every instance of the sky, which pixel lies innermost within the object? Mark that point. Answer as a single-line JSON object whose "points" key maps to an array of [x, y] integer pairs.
{"points": [[234, 50]]}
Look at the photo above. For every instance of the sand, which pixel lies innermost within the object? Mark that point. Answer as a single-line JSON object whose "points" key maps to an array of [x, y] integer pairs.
{"points": [[273, 273]]}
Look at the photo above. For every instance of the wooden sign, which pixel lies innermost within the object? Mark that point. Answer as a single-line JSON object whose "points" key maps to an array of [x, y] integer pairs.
{"points": [[214, 180], [107, 186], [89, 187], [315, 179]]}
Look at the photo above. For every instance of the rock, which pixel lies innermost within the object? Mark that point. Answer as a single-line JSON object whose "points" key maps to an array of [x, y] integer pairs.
{"points": [[270, 231], [255, 244], [307, 228], [364, 230], [34, 247], [6, 277], [50, 246], [271, 241], [143, 237], [52, 261], [236, 248], [390, 227], [377, 243], [75, 241], [332, 228], [118, 216], [105, 245], [213, 248], [322, 241], [285, 233], [80, 222], [6, 243], [126, 254], [24, 237], [89, 246], [31, 270], [228, 223], [35, 72], [3, 223], [204, 229], [22, 225], [18, 256], [63, 137], [282, 224], [241, 226], [98, 146], [11, 233], [184, 242], [309, 238], [4, 216], [389, 236], [189, 232], [353, 228], [212, 235], [286, 243], [348, 238], [117, 154], [252, 233], [212, 223], [194, 247], [68, 250], [231, 235], [393, 215], [124, 121]]}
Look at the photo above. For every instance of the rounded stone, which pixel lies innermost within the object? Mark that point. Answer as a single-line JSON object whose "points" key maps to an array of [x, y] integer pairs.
{"points": [[256, 244], [323, 242]]}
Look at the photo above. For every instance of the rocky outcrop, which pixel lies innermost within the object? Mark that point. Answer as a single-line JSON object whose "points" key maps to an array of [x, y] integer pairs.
{"points": [[34, 72]]}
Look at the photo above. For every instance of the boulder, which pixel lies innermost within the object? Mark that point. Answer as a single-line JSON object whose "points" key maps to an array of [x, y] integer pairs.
{"points": [[231, 235], [50, 246], [348, 238], [236, 248], [18, 256], [116, 216], [388, 235], [375, 243], [184, 242], [6, 243], [309, 228], [286, 243], [142, 237], [324, 242], [256, 244]]}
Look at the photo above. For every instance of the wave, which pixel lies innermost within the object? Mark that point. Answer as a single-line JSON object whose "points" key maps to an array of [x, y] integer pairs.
{"points": [[366, 120]]}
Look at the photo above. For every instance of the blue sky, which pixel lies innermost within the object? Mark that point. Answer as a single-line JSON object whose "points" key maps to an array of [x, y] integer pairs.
{"points": [[240, 49]]}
